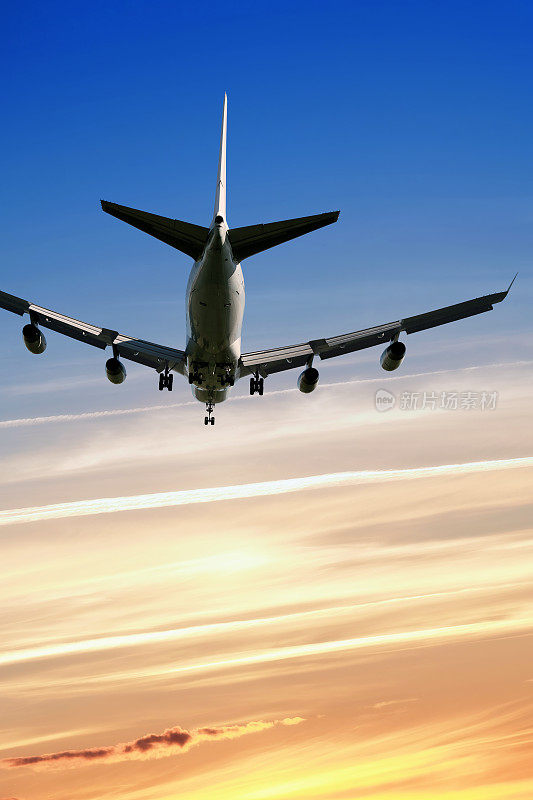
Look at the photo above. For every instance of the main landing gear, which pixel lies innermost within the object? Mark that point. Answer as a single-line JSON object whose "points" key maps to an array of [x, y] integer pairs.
{"points": [[256, 385], [166, 379], [209, 419]]}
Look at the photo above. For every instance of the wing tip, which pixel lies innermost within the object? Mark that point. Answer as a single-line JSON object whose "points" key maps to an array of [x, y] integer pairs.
{"points": [[329, 216], [502, 295], [509, 288]]}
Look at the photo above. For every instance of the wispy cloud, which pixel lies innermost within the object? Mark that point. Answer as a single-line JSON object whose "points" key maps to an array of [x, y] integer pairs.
{"points": [[108, 505], [151, 745], [23, 422], [387, 703], [445, 633], [120, 412], [142, 638], [405, 639]]}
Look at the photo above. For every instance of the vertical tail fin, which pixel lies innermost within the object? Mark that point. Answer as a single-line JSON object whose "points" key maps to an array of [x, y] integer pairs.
{"points": [[220, 197]]}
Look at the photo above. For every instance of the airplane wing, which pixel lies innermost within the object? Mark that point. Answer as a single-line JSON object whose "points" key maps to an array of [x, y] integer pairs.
{"points": [[147, 353], [281, 358]]}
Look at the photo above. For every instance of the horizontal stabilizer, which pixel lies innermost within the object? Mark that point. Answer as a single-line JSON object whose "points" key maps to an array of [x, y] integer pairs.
{"points": [[184, 236], [253, 239]]}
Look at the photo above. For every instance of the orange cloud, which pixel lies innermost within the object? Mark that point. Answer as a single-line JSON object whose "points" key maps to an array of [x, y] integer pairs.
{"points": [[388, 703], [151, 745]]}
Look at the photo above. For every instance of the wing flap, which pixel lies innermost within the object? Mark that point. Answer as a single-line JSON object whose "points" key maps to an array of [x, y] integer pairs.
{"points": [[453, 313], [276, 360], [184, 236], [358, 340], [254, 239], [74, 328], [151, 355]]}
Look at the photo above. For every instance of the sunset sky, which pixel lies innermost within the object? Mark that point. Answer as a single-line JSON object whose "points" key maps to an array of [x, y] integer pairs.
{"points": [[313, 599]]}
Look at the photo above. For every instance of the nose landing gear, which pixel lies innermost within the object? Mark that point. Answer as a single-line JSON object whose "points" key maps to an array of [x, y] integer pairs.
{"points": [[209, 419]]}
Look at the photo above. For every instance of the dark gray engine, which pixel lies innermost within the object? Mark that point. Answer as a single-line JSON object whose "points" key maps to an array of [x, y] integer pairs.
{"points": [[308, 380], [392, 357], [115, 370], [34, 339]]}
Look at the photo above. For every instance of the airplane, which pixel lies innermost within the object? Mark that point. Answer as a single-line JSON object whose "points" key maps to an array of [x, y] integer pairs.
{"points": [[212, 359]]}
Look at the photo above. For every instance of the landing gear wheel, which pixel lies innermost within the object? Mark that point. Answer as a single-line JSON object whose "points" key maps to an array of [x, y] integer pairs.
{"points": [[209, 420], [166, 379], [257, 384]]}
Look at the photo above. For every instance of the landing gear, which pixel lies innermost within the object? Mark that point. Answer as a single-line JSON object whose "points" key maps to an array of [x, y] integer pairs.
{"points": [[256, 385], [209, 419], [166, 379], [195, 376], [223, 374]]}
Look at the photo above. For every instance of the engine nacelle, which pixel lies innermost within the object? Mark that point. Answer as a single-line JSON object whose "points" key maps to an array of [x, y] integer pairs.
{"points": [[392, 357], [115, 370], [308, 380], [34, 339]]}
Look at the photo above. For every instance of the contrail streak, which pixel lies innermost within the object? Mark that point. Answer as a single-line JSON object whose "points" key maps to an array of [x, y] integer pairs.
{"points": [[120, 412], [103, 643], [408, 639], [486, 628], [108, 505], [117, 412]]}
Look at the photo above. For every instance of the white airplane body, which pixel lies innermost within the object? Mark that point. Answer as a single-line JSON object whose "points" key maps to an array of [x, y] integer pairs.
{"points": [[215, 303], [212, 359]]}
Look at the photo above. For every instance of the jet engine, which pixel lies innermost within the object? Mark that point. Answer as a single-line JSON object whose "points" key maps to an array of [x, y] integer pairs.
{"points": [[392, 357], [308, 380], [34, 338], [115, 370]]}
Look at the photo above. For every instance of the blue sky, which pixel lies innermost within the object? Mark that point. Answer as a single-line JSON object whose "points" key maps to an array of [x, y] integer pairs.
{"points": [[414, 119]]}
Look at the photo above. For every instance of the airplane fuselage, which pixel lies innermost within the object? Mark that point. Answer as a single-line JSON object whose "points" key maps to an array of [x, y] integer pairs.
{"points": [[214, 311]]}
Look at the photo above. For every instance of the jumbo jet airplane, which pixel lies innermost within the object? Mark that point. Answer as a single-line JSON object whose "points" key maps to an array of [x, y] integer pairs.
{"points": [[212, 359]]}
